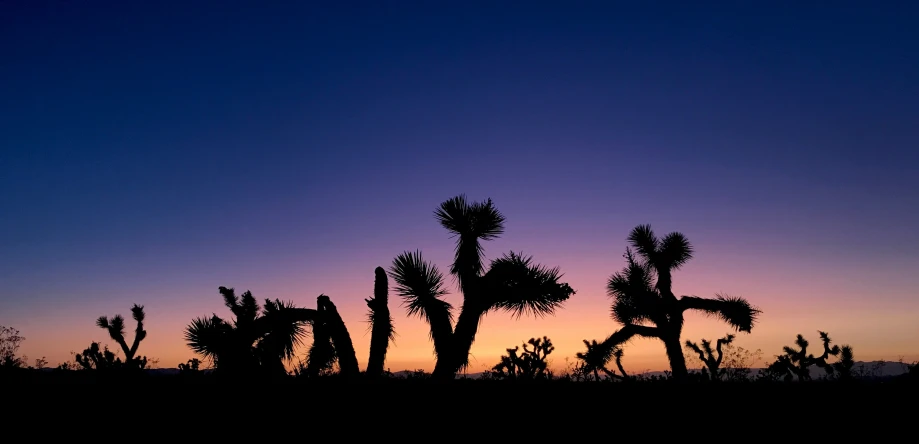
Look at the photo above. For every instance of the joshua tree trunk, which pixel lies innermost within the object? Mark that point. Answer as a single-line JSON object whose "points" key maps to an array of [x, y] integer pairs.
{"points": [[382, 324], [463, 336], [344, 348], [675, 355]]}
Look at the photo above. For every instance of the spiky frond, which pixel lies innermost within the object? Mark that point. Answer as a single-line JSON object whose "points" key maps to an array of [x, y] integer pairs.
{"points": [[208, 337], [643, 240], [469, 223], [421, 284], [735, 311], [102, 322], [229, 298], [675, 250], [480, 220], [596, 356], [137, 312], [634, 299], [801, 342], [116, 326], [283, 328], [248, 308], [635, 279], [514, 283]]}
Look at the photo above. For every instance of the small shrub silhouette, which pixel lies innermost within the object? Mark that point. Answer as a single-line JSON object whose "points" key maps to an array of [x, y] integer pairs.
{"points": [[10, 341]]}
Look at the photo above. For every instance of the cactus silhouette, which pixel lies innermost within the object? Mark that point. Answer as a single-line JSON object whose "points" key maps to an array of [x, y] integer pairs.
{"points": [[710, 358], [797, 362], [529, 365], [115, 327], [381, 327]]}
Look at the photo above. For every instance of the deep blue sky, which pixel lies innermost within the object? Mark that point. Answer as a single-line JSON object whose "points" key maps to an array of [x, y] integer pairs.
{"points": [[149, 145]]}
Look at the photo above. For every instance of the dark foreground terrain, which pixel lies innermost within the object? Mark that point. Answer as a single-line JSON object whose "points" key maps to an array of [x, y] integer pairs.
{"points": [[202, 405]]}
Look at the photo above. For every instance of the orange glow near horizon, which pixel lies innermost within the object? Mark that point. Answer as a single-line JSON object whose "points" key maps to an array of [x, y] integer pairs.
{"points": [[791, 304]]}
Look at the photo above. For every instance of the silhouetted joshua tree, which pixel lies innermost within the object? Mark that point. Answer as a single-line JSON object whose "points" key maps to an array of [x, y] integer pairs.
{"points": [[711, 359], [597, 356], [115, 328], [257, 340], [797, 362], [529, 365], [96, 358], [644, 303], [511, 283], [260, 339], [381, 327]]}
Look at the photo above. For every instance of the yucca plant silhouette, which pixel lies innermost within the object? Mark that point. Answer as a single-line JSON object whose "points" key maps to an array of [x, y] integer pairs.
{"points": [[596, 358], [512, 283], [710, 358], [644, 302], [116, 329], [381, 326]]}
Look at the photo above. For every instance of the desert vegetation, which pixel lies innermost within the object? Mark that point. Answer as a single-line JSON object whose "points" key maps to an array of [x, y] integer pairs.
{"points": [[279, 340]]}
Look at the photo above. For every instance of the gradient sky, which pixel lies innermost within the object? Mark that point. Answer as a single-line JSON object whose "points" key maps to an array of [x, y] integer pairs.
{"points": [[153, 151]]}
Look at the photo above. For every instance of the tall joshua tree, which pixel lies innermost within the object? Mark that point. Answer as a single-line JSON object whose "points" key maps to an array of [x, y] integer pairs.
{"points": [[644, 302], [381, 328], [711, 358], [511, 283], [115, 327]]}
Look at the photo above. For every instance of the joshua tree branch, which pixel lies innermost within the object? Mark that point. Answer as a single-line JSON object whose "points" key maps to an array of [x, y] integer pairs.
{"points": [[725, 340], [627, 332], [695, 348], [619, 365]]}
